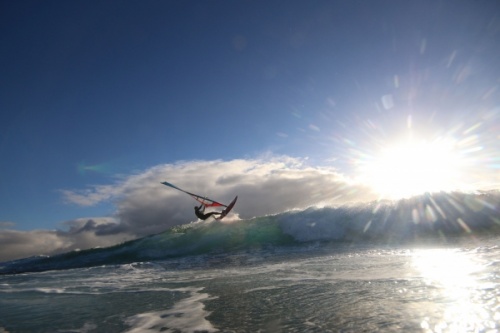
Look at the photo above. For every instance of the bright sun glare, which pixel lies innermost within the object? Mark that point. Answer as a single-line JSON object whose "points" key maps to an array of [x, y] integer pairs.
{"points": [[455, 277], [413, 167]]}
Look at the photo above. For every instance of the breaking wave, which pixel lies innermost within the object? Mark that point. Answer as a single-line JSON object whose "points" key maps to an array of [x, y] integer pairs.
{"points": [[443, 217]]}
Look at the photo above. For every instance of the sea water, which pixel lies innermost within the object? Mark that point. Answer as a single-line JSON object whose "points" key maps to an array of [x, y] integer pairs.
{"points": [[326, 289], [261, 276]]}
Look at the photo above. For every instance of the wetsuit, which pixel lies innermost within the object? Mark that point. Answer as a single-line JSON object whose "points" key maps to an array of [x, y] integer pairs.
{"points": [[199, 211]]}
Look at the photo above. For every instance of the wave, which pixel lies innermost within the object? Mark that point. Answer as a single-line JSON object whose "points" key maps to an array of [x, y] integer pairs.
{"points": [[430, 217]]}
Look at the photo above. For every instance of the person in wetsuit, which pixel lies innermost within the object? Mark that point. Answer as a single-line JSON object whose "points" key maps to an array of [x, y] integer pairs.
{"points": [[200, 212]]}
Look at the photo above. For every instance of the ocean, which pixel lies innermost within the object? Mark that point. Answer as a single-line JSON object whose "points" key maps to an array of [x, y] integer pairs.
{"points": [[426, 264]]}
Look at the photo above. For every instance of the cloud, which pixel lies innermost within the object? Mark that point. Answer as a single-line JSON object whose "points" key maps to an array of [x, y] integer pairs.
{"points": [[90, 197], [144, 206], [82, 234], [5, 225]]}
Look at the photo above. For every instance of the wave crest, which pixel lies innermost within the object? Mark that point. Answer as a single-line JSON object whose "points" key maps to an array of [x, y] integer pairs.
{"points": [[441, 216]]}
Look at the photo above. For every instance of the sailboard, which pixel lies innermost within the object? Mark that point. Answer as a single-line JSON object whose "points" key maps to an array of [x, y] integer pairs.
{"points": [[228, 209], [201, 199]]}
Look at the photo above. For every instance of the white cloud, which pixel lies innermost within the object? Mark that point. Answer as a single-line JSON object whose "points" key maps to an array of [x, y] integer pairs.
{"points": [[144, 206], [90, 196]]}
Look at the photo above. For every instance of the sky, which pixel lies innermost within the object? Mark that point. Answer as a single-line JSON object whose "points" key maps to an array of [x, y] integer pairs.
{"points": [[287, 104]]}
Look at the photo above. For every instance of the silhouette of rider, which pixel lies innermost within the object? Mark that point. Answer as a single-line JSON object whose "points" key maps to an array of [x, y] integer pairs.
{"points": [[200, 212]]}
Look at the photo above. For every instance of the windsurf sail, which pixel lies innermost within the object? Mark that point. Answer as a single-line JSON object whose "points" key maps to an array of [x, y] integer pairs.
{"points": [[201, 199]]}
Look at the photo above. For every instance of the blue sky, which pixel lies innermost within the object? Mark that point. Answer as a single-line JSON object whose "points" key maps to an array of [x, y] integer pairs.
{"points": [[93, 93]]}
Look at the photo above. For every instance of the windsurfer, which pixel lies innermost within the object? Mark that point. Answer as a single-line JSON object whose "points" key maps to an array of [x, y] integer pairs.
{"points": [[200, 212]]}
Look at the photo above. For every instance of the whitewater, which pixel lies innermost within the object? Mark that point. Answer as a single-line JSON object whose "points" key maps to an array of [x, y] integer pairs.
{"points": [[425, 264]]}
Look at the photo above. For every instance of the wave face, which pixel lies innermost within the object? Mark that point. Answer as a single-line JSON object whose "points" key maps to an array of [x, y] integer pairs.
{"points": [[429, 218]]}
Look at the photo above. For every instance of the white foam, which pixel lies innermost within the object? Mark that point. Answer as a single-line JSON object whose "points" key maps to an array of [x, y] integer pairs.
{"points": [[51, 290], [187, 315]]}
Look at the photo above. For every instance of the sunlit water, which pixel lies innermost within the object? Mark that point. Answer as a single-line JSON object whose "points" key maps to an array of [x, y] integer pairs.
{"points": [[315, 288]]}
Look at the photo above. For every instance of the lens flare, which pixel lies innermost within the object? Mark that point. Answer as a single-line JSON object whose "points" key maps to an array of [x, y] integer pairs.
{"points": [[84, 168]]}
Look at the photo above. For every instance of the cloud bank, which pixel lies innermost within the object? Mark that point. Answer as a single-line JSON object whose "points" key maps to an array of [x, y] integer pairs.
{"points": [[144, 206]]}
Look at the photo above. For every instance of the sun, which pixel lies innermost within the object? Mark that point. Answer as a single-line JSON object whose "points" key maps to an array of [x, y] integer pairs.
{"points": [[412, 167]]}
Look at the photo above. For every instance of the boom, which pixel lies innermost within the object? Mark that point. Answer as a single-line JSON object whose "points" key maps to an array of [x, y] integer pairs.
{"points": [[201, 199]]}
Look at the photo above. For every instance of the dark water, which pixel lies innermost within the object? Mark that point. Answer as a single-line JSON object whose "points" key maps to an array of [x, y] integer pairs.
{"points": [[292, 289]]}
